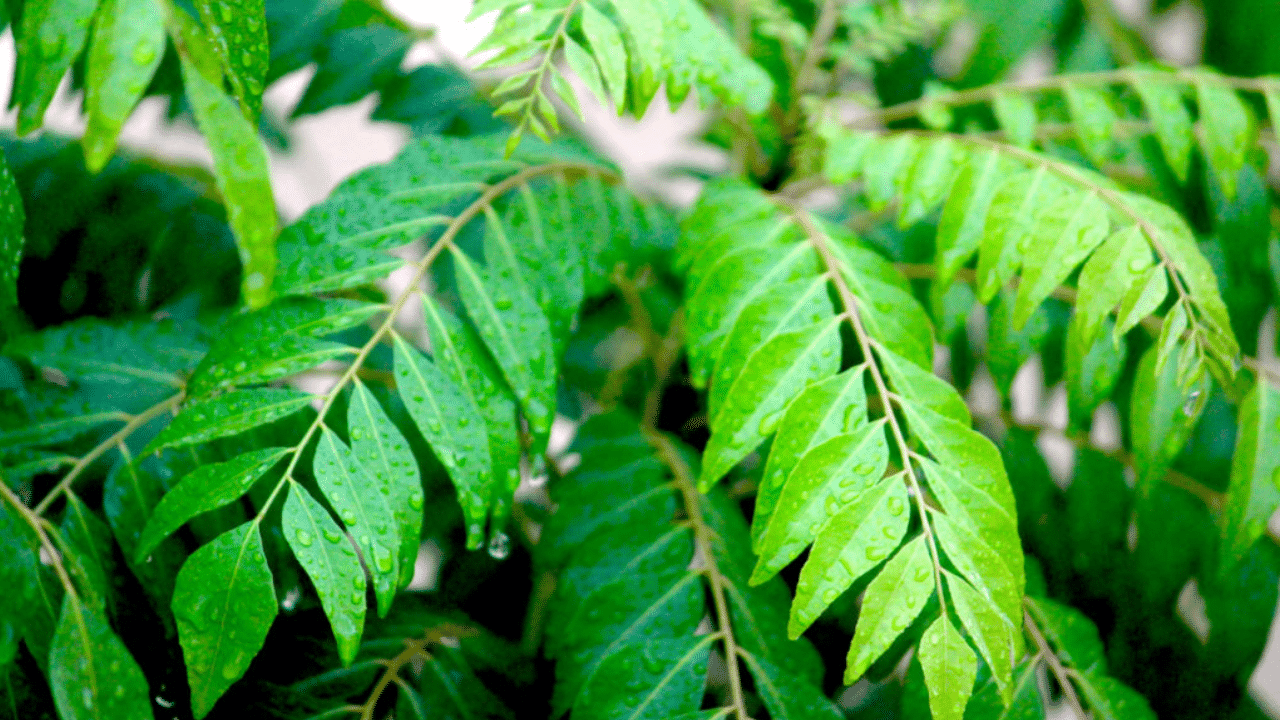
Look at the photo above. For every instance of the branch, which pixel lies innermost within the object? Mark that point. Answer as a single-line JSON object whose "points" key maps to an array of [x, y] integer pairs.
{"points": [[413, 649], [1060, 673], [117, 438]]}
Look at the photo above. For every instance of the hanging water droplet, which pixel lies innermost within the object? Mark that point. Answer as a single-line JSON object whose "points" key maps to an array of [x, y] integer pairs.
{"points": [[1192, 404], [499, 545]]}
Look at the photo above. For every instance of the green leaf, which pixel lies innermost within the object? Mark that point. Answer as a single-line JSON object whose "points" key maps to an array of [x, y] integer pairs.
{"points": [[1143, 299], [828, 478], [460, 353], [584, 66], [842, 160], [451, 422], [929, 179], [1067, 231], [822, 411], [787, 696], [277, 341], [884, 166], [1094, 120], [702, 53], [203, 489], [1099, 506], [12, 220], [1254, 492], [1272, 96], [243, 178], [989, 629], [1091, 371], [389, 460], [365, 509], [332, 564], [515, 331], [964, 215], [128, 42], [609, 51], [53, 33], [1162, 417], [91, 673], [234, 412], [1226, 130], [1014, 215], [773, 376], [224, 602], [1075, 639], [1016, 113], [648, 679], [892, 601], [853, 542], [1118, 265], [949, 669], [788, 307], [92, 351], [921, 386], [238, 31], [91, 539], [1111, 699], [129, 495], [1168, 114]]}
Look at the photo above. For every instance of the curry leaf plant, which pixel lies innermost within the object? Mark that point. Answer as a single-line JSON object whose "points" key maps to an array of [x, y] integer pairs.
{"points": [[950, 394]]}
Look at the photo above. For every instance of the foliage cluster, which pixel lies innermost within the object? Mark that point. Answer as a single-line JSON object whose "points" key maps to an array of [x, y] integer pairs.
{"points": [[784, 496]]}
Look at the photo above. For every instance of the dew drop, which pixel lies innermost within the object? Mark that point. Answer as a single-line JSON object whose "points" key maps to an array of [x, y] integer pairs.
{"points": [[415, 500], [830, 595], [769, 422], [304, 537], [922, 574], [1192, 404], [356, 433], [382, 559], [349, 517], [896, 506], [874, 552], [499, 545]]}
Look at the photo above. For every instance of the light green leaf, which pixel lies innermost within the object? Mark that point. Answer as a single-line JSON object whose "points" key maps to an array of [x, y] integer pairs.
{"points": [[1272, 95], [646, 46], [822, 411], [891, 603], [243, 177], [451, 422], [920, 386], [228, 414], [515, 331], [1143, 298], [853, 542], [387, 457], [1091, 371], [1014, 214], [224, 602], [703, 54], [1067, 231], [203, 489], [460, 353], [1075, 639], [1169, 118], [53, 33], [366, 511], [582, 64], [842, 160], [949, 669], [91, 673], [884, 168], [128, 41], [646, 680], [787, 696], [773, 376], [332, 564], [786, 308], [1106, 278], [964, 215], [1254, 492], [1226, 130], [929, 179], [1094, 120], [1111, 699], [12, 220], [1016, 113], [826, 479], [989, 629], [609, 51], [737, 278], [1171, 329], [238, 31], [890, 314]]}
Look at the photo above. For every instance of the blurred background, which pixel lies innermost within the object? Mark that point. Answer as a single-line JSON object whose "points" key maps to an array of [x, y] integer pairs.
{"points": [[322, 128]]}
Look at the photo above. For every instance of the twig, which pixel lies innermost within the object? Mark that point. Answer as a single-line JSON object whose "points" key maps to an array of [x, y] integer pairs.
{"points": [[1055, 665], [413, 648], [117, 438]]}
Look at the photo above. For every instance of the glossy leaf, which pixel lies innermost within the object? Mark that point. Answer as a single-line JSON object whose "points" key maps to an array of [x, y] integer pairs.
{"points": [[964, 215], [949, 669], [238, 31], [224, 603], [647, 679], [1014, 215], [789, 697], [1094, 119], [929, 179], [1254, 492], [1106, 278], [243, 178], [1164, 415], [228, 414], [128, 42], [366, 511], [1068, 230], [610, 53], [12, 219], [1092, 371], [330, 560], [892, 602], [922, 387], [1016, 113], [204, 489], [53, 34], [1143, 298], [1226, 130], [1167, 110], [990, 631], [91, 672]]}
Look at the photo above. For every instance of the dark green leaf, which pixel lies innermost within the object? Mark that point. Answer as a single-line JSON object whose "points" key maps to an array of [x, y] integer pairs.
{"points": [[238, 30], [91, 673], [789, 697], [128, 41], [53, 33], [649, 679], [12, 218], [229, 414], [1226, 130], [1254, 492], [1075, 639]]}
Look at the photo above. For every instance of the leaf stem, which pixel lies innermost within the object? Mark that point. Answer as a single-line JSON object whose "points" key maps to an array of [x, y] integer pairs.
{"points": [[851, 311], [117, 438], [1060, 672], [413, 648]]}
